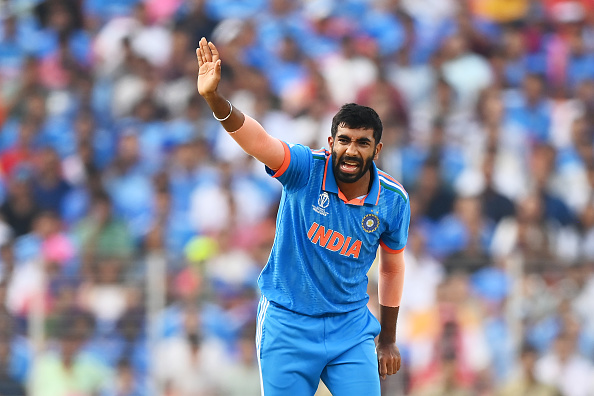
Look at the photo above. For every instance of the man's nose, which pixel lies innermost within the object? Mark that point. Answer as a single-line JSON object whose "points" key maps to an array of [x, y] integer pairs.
{"points": [[351, 149]]}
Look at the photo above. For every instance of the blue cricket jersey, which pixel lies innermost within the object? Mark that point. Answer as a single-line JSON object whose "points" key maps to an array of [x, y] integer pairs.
{"points": [[324, 246]]}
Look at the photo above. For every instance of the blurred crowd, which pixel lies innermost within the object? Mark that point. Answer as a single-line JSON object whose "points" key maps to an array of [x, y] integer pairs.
{"points": [[133, 229]]}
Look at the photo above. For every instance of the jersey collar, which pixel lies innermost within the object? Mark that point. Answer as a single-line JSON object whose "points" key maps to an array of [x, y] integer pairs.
{"points": [[329, 185]]}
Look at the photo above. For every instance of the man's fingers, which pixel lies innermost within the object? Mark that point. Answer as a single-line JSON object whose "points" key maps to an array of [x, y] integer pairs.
{"points": [[388, 360], [390, 366], [383, 370], [206, 50], [200, 53], [201, 45], [199, 57], [214, 51]]}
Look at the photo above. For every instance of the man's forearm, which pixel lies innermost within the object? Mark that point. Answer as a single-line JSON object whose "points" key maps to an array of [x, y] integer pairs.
{"points": [[248, 133], [388, 321], [390, 286], [221, 108]]}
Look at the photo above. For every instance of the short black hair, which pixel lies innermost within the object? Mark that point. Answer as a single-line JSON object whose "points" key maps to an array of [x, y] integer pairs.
{"points": [[352, 115]]}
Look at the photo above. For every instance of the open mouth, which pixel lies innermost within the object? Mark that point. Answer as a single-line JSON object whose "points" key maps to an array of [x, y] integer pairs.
{"points": [[349, 166]]}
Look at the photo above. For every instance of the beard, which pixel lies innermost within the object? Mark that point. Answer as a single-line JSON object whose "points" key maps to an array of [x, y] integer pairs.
{"points": [[363, 166]]}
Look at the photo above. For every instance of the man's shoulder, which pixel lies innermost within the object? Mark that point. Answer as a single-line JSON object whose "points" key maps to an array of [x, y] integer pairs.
{"points": [[317, 157], [391, 186], [302, 166], [303, 151], [319, 154]]}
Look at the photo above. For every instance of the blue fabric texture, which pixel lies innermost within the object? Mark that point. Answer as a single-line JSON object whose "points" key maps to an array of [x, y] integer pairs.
{"points": [[324, 246]]}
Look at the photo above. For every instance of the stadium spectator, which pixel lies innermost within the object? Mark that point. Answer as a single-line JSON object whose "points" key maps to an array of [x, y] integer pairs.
{"points": [[10, 384], [526, 382], [564, 368], [68, 370], [103, 234], [189, 364]]}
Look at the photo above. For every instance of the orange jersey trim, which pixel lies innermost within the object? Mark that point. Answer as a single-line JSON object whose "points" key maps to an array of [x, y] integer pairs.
{"points": [[325, 172], [354, 201], [387, 249], [379, 191], [286, 161]]}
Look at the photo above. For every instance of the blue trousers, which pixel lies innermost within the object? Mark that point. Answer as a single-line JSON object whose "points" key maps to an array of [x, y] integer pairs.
{"points": [[295, 351]]}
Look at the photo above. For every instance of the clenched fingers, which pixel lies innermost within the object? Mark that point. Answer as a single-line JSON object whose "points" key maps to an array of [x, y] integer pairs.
{"points": [[390, 366], [383, 368]]}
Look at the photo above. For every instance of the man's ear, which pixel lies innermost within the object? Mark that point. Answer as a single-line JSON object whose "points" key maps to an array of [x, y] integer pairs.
{"points": [[378, 148], [330, 142]]}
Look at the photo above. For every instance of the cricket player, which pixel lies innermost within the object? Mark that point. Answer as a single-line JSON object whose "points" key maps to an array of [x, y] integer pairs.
{"points": [[336, 209]]}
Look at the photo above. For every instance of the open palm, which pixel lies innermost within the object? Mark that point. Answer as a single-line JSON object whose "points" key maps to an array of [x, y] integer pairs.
{"points": [[209, 67]]}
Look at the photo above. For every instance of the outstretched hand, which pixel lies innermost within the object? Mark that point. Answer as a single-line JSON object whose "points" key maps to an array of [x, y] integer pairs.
{"points": [[209, 68]]}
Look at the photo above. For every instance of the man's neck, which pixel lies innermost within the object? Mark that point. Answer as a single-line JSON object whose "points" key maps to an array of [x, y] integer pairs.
{"points": [[357, 189]]}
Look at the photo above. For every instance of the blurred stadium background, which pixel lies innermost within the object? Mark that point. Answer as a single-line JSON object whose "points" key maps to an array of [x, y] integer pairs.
{"points": [[132, 229]]}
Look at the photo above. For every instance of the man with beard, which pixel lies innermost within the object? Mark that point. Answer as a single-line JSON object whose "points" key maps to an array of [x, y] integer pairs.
{"points": [[336, 209]]}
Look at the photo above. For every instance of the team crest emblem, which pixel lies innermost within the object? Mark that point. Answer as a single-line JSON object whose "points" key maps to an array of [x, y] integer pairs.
{"points": [[323, 200], [370, 222]]}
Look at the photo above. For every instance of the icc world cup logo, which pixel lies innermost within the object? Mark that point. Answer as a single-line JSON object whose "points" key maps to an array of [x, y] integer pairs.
{"points": [[323, 200]]}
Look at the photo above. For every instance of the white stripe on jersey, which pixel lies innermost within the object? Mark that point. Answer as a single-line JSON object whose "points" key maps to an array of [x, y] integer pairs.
{"points": [[263, 306], [391, 183]]}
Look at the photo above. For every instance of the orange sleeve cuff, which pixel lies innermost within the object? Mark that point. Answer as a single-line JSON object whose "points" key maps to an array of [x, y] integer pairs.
{"points": [[387, 249], [285, 165]]}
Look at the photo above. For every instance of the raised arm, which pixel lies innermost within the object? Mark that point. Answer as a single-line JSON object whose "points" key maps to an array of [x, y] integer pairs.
{"points": [[391, 282], [247, 132]]}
